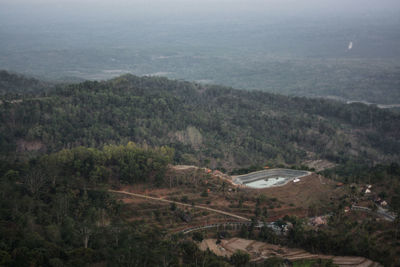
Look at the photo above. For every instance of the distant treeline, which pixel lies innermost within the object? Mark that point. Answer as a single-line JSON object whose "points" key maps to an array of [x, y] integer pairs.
{"points": [[11, 83]]}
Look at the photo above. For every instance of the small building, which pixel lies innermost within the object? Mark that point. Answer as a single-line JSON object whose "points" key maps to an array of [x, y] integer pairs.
{"points": [[296, 180], [367, 191], [384, 203], [339, 184], [287, 227], [346, 209]]}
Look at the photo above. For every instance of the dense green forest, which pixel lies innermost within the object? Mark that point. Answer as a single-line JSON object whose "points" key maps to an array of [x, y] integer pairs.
{"points": [[206, 125], [54, 212]]}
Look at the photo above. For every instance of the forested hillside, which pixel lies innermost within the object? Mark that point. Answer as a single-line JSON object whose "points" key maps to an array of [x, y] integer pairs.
{"points": [[54, 212], [14, 83], [206, 125], [63, 146]]}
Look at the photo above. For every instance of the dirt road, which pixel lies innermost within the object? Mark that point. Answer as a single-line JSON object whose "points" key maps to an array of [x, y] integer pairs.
{"points": [[182, 204]]}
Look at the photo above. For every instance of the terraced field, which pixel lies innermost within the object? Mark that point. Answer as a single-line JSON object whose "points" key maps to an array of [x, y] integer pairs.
{"points": [[260, 251]]}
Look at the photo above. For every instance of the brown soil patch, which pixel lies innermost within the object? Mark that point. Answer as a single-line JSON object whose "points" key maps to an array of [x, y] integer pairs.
{"points": [[23, 146], [183, 167], [310, 190], [319, 165]]}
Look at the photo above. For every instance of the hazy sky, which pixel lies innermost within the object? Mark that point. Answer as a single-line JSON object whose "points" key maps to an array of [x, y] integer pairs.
{"points": [[288, 7], [28, 13], [321, 28]]}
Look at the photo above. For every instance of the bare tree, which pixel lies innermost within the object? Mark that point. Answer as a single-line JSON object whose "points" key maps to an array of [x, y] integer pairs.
{"points": [[34, 181], [61, 206], [85, 232]]}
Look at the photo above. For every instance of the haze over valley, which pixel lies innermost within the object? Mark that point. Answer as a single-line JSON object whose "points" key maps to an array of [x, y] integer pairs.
{"points": [[288, 47]]}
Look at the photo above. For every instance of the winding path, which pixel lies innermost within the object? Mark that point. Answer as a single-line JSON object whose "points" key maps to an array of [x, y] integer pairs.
{"points": [[182, 204]]}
